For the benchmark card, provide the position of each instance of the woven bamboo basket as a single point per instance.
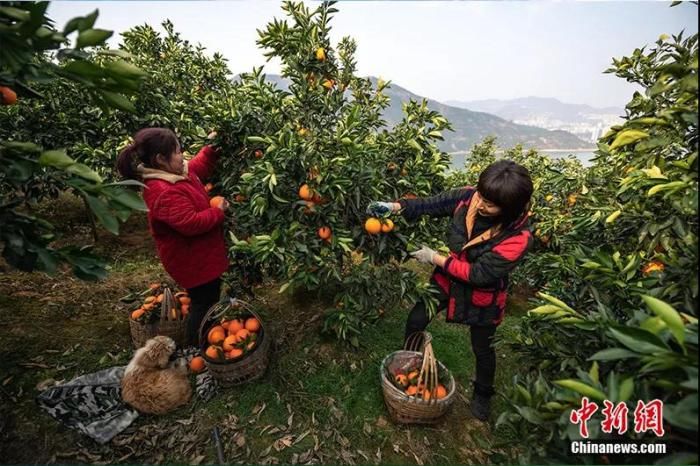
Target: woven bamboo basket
(175, 329)
(406, 409)
(250, 367)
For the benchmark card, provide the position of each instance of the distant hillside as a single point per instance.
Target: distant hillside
(582, 120)
(472, 127)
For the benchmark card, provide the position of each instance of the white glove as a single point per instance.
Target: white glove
(424, 255)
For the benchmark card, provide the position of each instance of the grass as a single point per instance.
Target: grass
(320, 400)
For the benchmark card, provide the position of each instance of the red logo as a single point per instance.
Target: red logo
(647, 417)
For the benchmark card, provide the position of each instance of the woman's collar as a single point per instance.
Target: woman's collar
(156, 174)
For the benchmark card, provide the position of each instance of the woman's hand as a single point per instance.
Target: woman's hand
(382, 208)
(223, 205)
(212, 135)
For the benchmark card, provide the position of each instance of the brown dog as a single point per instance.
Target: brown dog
(150, 384)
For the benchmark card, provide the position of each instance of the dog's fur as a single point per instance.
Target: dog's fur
(153, 386)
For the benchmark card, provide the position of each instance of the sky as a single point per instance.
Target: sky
(443, 50)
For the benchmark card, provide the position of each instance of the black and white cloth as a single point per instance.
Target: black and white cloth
(92, 403)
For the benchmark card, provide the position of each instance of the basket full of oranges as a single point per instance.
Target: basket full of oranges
(234, 342)
(160, 313)
(417, 388)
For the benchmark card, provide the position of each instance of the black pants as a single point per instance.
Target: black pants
(481, 337)
(203, 297)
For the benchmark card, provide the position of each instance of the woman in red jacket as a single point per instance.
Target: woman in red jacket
(188, 232)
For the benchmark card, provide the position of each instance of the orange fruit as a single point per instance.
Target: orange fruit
(252, 324)
(320, 54)
(373, 226)
(411, 390)
(185, 300)
(213, 352)
(401, 380)
(216, 201)
(234, 353)
(426, 395)
(7, 96)
(324, 233)
(185, 310)
(154, 286)
(234, 326)
(305, 192)
(197, 364)
(229, 342)
(149, 300)
(208, 187)
(148, 307)
(137, 313)
(159, 298)
(224, 323)
(242, 334)
(328, 84)
(258, 154)
(440, 392)
(413, 377)
(387, 226)
(239, 198)
(216, 335)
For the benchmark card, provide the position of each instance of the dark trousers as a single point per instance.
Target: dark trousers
(203, 297)
(482, 344)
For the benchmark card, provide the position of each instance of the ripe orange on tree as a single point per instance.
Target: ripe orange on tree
(325, 233)
(258, 154)
(373, 226)
(387, 225)
(320, 54)
(7, 96)
(305, 192)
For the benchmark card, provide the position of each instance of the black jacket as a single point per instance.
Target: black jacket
(475, 276)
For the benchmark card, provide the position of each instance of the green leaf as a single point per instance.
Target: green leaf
(612, 217)
(639, 340)
(125, 69)
(581, 388)
(626, 389)
(627, 137)
(669, 315)
(683, 414)
(118, 100)
(127, 198)
(102, 213)
(91, 37)
(665, 187)
(555, 301)
(84, 171)
(84, 68)
(613, 354)
(56, 158)
(594, 373)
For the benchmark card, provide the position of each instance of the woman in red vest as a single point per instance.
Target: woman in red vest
(488, 236)
(188, 232)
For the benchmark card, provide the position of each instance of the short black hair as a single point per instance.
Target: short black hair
(509, 186)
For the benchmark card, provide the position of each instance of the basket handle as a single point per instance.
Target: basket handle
(167, 304)
(428, 375)
(417, 341)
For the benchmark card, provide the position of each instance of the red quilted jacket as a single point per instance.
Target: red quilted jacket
(187, 231)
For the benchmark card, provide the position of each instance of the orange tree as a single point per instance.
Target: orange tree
(33, 51)
(180, 91)
(632, 306)
(310, 159)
